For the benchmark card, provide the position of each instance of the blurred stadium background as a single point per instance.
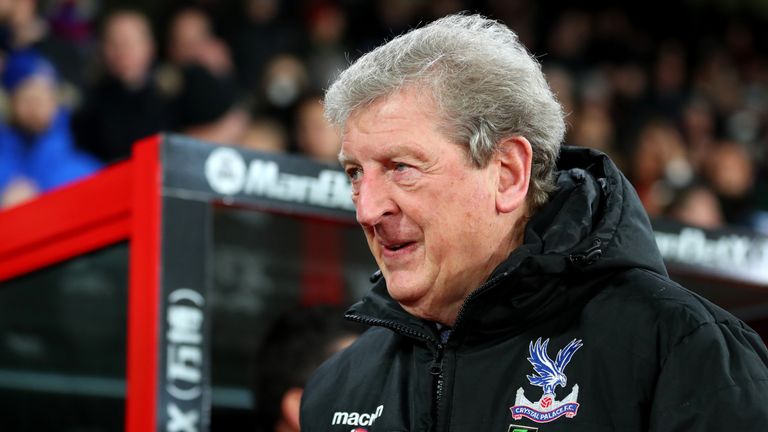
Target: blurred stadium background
(675, 92)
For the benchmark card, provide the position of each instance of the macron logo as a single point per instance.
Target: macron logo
(356, 419)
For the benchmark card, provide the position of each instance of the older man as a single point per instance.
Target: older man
(515, 294)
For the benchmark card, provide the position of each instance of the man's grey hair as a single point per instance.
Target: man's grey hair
(486, 85)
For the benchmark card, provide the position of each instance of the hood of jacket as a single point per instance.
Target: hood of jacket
(593, 227)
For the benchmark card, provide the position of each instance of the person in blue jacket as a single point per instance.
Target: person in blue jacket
(37, 151)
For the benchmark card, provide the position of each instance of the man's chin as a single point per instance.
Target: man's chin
(420, 304)
(406, 296)
(413, 299)
(407, 293)
(430, 313)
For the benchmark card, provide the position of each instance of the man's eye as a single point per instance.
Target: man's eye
(354, 173)
(399, 166)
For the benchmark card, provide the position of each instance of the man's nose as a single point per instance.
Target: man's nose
(374, 201)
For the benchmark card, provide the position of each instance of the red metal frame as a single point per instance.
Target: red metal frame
(122, 202)
(144, 289)
(82, 217)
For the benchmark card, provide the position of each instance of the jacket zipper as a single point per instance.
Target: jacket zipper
(487, 285)
(397, 327)
(438, 348)
(435, 368)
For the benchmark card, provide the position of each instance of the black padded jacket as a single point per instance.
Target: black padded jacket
(580, 329)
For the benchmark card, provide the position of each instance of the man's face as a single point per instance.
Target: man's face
(128, 48)
(34, 104)
(429, 216)
(315, 136)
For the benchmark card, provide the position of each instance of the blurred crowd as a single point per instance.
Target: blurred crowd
(680, 102)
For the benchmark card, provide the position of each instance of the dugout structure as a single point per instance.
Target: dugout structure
(136, 299)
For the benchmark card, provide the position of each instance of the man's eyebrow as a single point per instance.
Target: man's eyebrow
(404, 150)
(345, 159)
(392, 151)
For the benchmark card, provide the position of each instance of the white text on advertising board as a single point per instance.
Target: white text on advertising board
(184, 359)
(228, 174)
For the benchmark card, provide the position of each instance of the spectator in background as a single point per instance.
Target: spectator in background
(658, 165)
(298, 343)
(594, 129)
(37, 152)
(669, 81)
(698, 125)
(261, 35)
(265, 134)
(206, 107)
(696, 205)
(206, 100)
(315, 137)
(22, 27)
(284, 81)
(568, 41)
(718, 79)
(72, 21)
(191, 41)
(731, 173)
(326, 51)
(127, 103)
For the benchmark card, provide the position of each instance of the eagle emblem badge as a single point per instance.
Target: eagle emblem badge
(548, 375)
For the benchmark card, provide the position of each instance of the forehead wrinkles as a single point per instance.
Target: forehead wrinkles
(420, 95)
(396, 112)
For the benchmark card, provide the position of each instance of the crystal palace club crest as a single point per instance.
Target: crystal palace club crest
(548, 375)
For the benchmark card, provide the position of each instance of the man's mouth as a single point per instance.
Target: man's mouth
(398, 246)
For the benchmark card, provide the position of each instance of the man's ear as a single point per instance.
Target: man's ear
(513, 157)
(289, 407)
